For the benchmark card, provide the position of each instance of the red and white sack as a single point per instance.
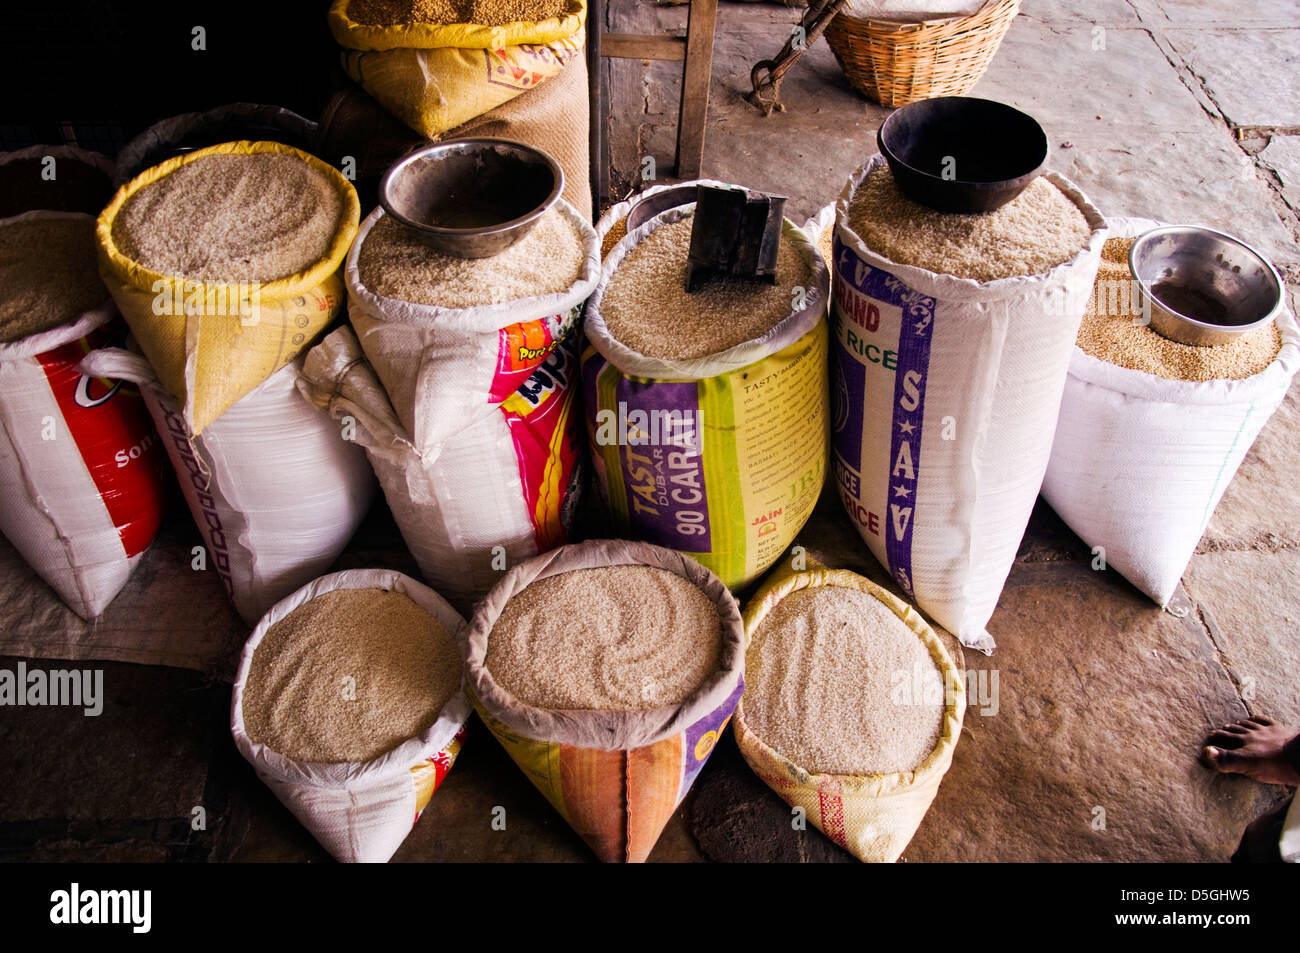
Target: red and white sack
(496, 492)
(82, 475)
(360, 812)
(445, 369)
(274, 487)
(1140, 462)
(944, 396)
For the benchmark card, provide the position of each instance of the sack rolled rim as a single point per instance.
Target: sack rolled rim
(391, 763)
(601, 729)
(1275, 379)
(781, 335)
(936, 763)
(352, 35)
(950, 287)
(133, 273)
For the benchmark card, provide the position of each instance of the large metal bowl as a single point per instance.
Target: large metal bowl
(962, 153)
(1203, 287)
(472, 198)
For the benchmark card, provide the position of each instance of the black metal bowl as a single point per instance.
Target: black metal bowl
(962, 154)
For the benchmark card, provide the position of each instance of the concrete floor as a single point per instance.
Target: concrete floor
(1160, 108)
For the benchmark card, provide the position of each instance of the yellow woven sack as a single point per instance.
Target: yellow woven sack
(212, 343)
(435, 77)
(873, 817)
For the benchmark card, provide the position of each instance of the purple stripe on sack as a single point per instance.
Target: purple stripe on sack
(913, 367)
(658, 428)
(702, 737)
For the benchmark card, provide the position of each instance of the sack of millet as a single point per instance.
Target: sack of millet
(1152, 431)
(608, 670)
(707, 412)
(349, 704)
(225, 263)
(82, 477)
(952, 338)
(852, 707)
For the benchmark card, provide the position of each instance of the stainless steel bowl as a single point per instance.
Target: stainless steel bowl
(1203, 287)
(472, 198)
(650, 206)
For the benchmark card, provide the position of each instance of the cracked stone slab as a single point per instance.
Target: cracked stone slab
(1103, 702)
(1251, 602)
(1261, 507)
(1250, 74)
(1098, 11)
(1239, 13)
(1197, 178)
(1128, 82)
(1282, 155)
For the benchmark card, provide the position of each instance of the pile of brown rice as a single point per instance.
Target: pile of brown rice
(482, 12)
(48, 274)
(613, 638)
(1109, 333)
(348, 676)
(395, 263)
(1033, 233)
(838, 684)
(647, 308)
(227, 217)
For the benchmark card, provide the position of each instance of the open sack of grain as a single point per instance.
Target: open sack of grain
(952, 338)
(706, 412)
(453, 338)
(1151, 431)
(608, 670)
(273, 485)
(81, 474)
(349, 704)
(225, 263)
(56, 178)
(852, 707)
(438, 63)
(493, 495)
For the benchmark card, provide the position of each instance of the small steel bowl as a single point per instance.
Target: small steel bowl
(472, 198)
(962, 153)
(1203, 287)
(647, 208)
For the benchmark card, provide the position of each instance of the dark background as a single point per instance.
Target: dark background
(95, 73)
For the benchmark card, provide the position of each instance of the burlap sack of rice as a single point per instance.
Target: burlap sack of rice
(436, 65)
(707, 412)
(453, 338)
(349, 705)
(1151, 432)
(225, 263)
(852, 707)
(608, 670)
(952, 338)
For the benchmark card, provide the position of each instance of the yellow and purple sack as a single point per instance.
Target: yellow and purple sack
(615, 776)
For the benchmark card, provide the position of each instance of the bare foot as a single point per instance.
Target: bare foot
(1254, 748)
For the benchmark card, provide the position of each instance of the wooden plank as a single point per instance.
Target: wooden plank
(695, 88)
(643, 46)
(599, 172)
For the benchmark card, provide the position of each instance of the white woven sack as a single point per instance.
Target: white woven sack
(273, 486)
(1140, 462)
(944, 403)
(463, 511)
(81, 473)
(359, 812)
(445, 369)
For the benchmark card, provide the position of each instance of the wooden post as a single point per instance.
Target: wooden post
(698, 71)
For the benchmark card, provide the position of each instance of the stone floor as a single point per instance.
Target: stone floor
(1160, 108)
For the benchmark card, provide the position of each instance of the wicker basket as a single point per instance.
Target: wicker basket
(899, 63)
